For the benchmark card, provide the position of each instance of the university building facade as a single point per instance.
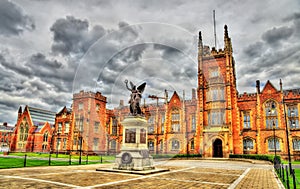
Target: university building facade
(215, 122)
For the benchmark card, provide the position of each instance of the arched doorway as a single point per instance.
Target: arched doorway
(217, 148)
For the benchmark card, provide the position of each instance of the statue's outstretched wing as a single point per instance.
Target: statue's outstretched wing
(141, 88)
(131, 84)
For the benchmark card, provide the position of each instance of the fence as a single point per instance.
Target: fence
(12, 161)
(287, 177)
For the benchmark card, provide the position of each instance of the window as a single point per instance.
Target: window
(296, 144)
(64, 143)
(293, 116)
(175, 145)
(193, 123)
(271, 114)
(216, 117)
(247, 122)
(271, 145)
(192, 145)
(26, 132)
(216, 94)
(214, 72)
(21, 135)
(151, 129)
(44, 147)
(45, 138)
(151, 145)
(95, 144)
(162, 129)
(67, 125)
(151, 120)
(59, 129)
(96, 126)
(81, 124)
(175, 116)
(175, 127)
(80, 106)
(114, 126)
(175, 124)
(97, 107)
(113, 145)
(248, 144)
(58, 144)
(162, 118)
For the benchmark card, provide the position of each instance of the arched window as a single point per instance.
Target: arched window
(248, 144)
(21, 134)
(271, 114)
(271, 143)
(175, 144)
(296, 144)
(45, 139)
(26, 132)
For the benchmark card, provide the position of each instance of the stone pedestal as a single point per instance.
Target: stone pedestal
(134, 151)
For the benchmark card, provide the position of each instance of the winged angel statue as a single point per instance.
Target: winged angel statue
(135, 97)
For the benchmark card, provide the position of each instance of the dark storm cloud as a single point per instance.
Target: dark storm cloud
(276, 35)
(72, 36)
(12, 66)
(13, 20)
(254, 50)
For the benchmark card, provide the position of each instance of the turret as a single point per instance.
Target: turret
(227, 41)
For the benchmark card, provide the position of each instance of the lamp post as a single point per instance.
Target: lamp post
(287, 136)
(274, 137)
(57, 144)
(80, 148)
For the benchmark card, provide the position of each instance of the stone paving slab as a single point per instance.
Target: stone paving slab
(182, 174)
(258, 179)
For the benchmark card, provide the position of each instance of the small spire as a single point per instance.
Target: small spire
(225, 31)
(200, 36)
(280, 84)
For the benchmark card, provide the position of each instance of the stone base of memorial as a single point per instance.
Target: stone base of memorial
(134, 151)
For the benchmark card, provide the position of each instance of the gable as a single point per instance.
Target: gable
(269, 88)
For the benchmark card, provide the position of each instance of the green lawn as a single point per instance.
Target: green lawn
(65, 156)
(297, 174)
(36, 159)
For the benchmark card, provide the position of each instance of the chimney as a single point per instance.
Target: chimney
(193, 94)
(258, 86)
(121, 103)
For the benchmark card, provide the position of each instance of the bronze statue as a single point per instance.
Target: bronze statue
(135, 97)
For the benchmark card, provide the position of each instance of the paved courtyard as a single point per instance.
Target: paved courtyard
(182, 174)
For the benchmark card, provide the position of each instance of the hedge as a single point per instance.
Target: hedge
(256, 156)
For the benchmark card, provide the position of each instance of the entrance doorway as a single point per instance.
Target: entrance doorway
(217, 148)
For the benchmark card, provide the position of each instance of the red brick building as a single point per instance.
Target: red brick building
(220, 121)
(5, 136)
(90, 126)
(63, 131)
(215, 122)
(33, 130)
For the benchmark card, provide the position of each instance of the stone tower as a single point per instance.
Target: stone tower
(217, 113)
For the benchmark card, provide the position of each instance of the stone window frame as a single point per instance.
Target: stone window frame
(293, 116)
(297, 139)
(271, 114)
(246, 122)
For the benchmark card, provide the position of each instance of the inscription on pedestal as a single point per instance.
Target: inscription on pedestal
(143, 136)
(130, 135)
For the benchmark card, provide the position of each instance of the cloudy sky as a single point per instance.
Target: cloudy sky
(50, 49)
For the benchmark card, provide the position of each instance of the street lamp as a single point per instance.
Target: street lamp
(287, 136)
(274, 139)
